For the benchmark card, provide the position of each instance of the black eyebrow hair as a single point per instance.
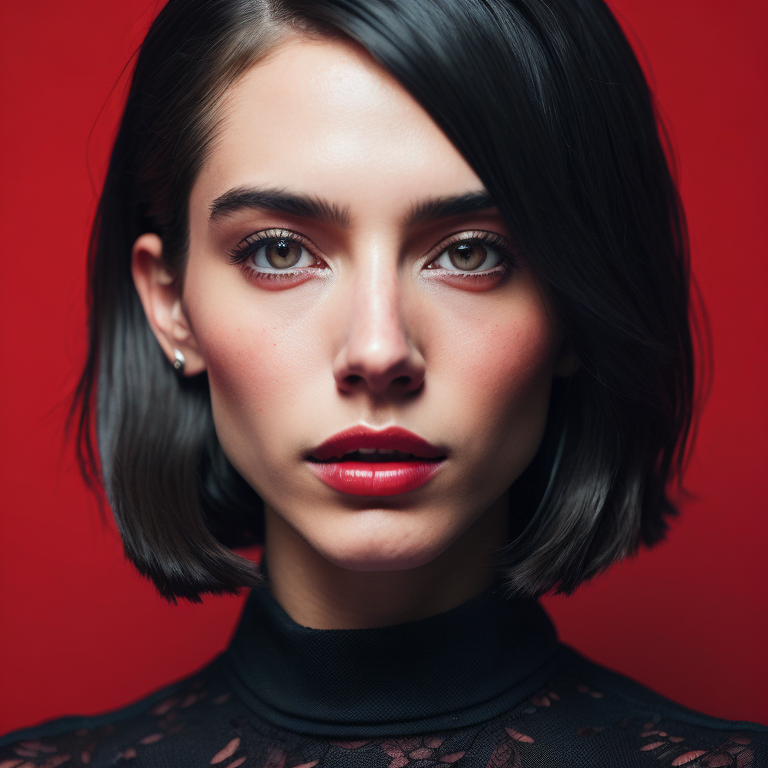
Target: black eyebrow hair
(306, 206)
(279, 200)
(445, 207)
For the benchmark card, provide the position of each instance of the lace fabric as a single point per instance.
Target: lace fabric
(486, 685)
(568, 722)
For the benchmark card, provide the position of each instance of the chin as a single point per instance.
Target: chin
(374, 549)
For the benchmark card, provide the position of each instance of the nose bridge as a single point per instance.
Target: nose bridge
(377, 321)
(378, 350)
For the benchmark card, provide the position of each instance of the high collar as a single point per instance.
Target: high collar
(453, 669)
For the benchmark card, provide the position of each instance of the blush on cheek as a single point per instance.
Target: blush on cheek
(510, 375)
(510, 358)
(237, 343)
(244, 374)
(234, 390)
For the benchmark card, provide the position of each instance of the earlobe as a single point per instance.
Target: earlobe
(160, 296)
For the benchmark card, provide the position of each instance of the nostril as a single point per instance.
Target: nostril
(402, 381)
(353, 380)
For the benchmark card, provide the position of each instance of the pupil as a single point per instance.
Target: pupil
(283, 253)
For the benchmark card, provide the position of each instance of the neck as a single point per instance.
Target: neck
(319, 594)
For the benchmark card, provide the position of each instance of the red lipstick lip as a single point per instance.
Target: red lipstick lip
(391, 438)
(376, 478)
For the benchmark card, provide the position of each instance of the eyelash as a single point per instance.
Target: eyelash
(247, 247)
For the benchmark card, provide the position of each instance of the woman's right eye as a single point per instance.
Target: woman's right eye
(273, 253)
(281, 253)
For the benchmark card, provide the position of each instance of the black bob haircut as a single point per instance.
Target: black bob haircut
(549, 106)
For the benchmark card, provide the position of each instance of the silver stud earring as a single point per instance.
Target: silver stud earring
(178, 363)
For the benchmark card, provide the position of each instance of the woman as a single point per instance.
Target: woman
(400, 289)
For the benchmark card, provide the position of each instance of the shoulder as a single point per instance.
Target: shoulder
(176, 711)
(597, 712)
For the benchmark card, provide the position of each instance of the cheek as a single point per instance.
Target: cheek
(500, 368)
(258, 358)
(514, 362)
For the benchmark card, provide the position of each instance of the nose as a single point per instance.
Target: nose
(377, 353)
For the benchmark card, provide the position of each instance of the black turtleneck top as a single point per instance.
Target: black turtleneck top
(485, 685)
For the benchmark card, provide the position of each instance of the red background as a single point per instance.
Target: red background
(80, 632)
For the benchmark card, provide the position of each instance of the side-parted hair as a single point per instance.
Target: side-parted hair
(548, 104)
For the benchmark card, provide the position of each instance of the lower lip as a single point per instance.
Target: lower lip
(385, 478)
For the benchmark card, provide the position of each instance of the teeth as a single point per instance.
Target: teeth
(373, 453)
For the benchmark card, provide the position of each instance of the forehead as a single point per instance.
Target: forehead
(322, 116)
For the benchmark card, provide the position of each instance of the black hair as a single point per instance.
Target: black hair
(550, 107)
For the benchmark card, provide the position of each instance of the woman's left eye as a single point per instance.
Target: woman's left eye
(480, 254)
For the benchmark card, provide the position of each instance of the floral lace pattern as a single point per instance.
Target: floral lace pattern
(568, 722)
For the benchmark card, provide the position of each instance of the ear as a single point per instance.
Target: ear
(566, 364)
(159, 292)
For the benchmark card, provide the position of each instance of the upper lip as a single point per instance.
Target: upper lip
(392, 438)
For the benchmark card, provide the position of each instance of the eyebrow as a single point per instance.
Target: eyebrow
(437, 208)
(310, 207)
(279, 201)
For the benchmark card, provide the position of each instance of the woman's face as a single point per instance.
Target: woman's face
(344, 271)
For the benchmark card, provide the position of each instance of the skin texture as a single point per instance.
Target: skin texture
(371, 330)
